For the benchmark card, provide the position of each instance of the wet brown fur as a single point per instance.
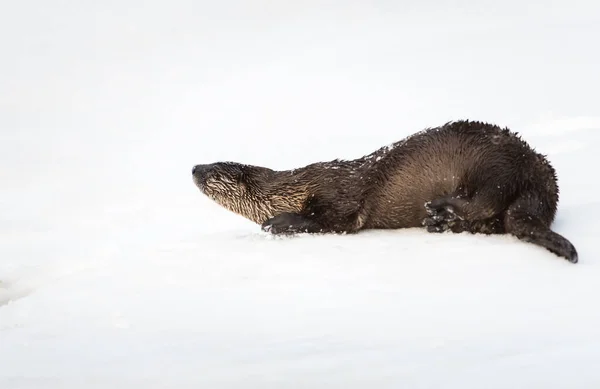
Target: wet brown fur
(462, 176)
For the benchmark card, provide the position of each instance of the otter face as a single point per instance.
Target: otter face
(235, 187)
(222, 181)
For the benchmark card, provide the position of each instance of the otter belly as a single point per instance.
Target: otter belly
(400, 202)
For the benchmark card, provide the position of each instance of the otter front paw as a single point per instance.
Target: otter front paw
(288, 223)
(441, 216)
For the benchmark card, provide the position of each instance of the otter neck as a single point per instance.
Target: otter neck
(286, 191)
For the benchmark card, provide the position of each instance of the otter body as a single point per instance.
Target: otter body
(462, 176)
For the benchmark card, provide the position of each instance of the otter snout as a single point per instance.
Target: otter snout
(200, 170)
(200, 173)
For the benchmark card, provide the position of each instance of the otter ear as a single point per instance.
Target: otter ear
(241, 182)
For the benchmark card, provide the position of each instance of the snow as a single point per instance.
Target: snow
(116, 272)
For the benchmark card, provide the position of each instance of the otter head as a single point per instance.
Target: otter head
(243, 189)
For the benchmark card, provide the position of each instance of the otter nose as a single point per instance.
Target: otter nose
(199, 169)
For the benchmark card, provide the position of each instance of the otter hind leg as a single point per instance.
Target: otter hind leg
(448, 221)
(458, 214)
(483, 204)
(440, 219)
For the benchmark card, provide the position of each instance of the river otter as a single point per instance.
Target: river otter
(462, 176)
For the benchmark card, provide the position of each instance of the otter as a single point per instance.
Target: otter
(463, 176)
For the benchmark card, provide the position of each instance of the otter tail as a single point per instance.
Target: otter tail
(529, 219)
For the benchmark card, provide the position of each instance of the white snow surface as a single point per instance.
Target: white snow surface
(116, 272)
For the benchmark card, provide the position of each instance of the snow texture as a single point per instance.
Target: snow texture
(116, 272)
